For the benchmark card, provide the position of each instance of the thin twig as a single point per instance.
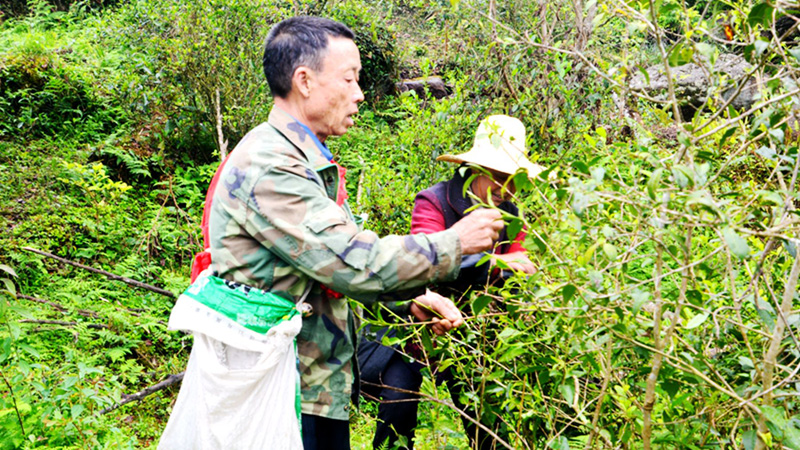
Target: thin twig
(167, 382)
(58, 307)
(108, 275)
(95, 326)
(14, 400)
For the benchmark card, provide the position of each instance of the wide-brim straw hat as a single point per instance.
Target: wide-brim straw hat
(499, 146)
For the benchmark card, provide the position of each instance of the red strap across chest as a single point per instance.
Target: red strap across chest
(202, 260)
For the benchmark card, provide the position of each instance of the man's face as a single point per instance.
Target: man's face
(335, 94)
(495, 186)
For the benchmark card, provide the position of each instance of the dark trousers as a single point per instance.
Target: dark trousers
(397, 412)
(321, 433)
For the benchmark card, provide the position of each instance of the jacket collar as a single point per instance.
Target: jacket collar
(455, 194)
(301, 136)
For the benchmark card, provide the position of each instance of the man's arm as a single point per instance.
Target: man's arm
(291, 215)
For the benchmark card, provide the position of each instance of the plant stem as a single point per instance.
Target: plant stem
(650, 391)
(771, 356)
(14, 400)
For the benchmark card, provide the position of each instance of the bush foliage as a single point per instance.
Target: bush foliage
(664, 309)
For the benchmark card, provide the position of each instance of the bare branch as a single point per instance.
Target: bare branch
(108, 275)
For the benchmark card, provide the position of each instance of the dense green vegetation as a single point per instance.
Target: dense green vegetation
(664, 312)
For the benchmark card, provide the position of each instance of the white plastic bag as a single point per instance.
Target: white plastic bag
(239, 391)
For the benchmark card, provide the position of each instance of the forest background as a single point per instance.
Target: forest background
(664, 312)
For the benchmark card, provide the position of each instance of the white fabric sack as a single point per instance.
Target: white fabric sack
(239, 390)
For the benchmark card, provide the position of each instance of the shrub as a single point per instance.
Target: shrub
(191, 54)
(376, 41)
(17, 8)
(41, 96)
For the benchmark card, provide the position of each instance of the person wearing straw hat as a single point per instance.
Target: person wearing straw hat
(498, 153)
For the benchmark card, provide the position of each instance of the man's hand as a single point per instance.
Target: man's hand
(479, 230)
(517, 261)
(431, 306)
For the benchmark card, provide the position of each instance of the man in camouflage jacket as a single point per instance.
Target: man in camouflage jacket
(279, 221)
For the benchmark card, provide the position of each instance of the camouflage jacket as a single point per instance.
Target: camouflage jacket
(274, 224)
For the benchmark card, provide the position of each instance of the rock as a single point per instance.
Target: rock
(692, 84)
(434, 85)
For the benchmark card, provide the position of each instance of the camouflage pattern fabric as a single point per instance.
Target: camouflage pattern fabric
(275, 225)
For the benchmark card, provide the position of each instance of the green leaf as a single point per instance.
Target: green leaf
(654, 182)
(790, 247)
(30, 350)
(766, 153)
(23, 312)
(727, 134)
(507, 334)
(749, 439)
(639, 299)
(775, 415)
(795, 52)
(770, 198)
(695, 297)
(116, 353)
(587, 256)
(10, 288)
(683, 175)
(696, 321)
(667, 8)
(513, 228)
(761, 14)
(568, 391)
(425, 337)
(746, 363)
(522, 183)
(568, 291)
(598, 174)
(703, 200)
(514, 353)
(777, 135)
(708, 51)
(680, 55)
(647, 75)
(759, 46)
(791, 437)
(736, 243)
(76, 410)
(8, 270)
(610, 251)
(559, 443)
(480, 303)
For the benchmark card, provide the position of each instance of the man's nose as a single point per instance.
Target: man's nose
(358, 96)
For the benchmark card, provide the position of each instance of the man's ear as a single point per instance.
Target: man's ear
(302, 80)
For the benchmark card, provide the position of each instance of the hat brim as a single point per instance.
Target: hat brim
(500, 165)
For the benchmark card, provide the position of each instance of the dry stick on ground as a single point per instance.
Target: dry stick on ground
(167, 382)
(58, 307)
(108, 275)
(96, 326)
